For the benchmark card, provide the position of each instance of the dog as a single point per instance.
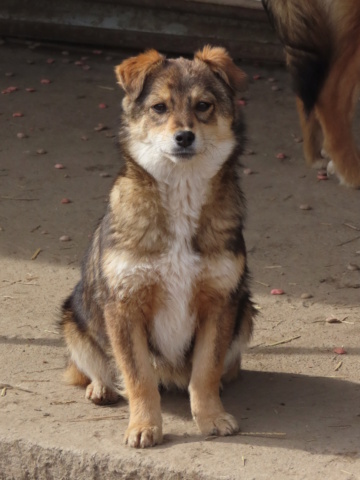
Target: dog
(163, 298)
(322, 45)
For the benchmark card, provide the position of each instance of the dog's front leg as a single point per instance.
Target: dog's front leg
(126, 329)
(211, 344)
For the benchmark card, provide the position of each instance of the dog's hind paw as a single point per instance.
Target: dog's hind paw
(331, 168)
(353, 182)
(100, 394)
(143, 436)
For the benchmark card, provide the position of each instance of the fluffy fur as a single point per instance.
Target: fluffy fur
(163, 297)
(322, 45)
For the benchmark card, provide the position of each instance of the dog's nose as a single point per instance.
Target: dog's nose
(184, 138)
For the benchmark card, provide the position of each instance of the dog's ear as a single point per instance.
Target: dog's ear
(131, 73)
(220, 62)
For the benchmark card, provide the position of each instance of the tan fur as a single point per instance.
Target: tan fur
(73, 376)
(326, 33)
(221, 63)
(164, 298)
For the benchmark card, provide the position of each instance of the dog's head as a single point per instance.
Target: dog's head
(179, 111)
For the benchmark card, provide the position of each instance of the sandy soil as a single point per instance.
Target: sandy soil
(293, 387)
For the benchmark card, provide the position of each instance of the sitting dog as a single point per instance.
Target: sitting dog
(322, 45)
(163, 298)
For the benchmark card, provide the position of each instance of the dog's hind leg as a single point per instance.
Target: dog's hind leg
(335, 109)
(89, 366)
(312, 137)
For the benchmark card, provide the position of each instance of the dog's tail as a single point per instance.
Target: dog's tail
(303, 27)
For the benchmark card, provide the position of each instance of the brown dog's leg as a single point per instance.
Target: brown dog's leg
(126, 328)
(334, 109)
(312, 136)
(211, 344)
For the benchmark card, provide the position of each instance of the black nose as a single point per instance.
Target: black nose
(184, 138)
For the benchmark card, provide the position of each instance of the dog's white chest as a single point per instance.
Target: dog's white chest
(179, 267)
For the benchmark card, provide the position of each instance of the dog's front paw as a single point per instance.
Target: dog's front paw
(100, 395)
(220, 424)
(143, 436)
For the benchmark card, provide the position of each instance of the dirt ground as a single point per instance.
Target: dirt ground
(297, 400)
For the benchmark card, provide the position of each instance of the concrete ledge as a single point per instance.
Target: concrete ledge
(172, 26)
(23, 460)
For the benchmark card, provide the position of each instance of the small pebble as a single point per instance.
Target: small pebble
(353, 267)
(305, 206)
(340, 351)
(275, 88)
(9, 74)
(100, 127)
(97, 52)
(271, 79)
(17, 114)
(59, 166)
(86, 67)
(322, 176)
(30, 90)
(65, 201)
(281, 156)
(41, 151)
(247, 171)
(65, 52)
(85, 138)
(79, 63)
(277, 291)
(10, 89)
(110, 135)
(103, 105)
(21, 135)
(248, 152)
(65, 238)
(257, 76)
(306, 296)
(332, 320)
(242, 102)
(84, 58)
(50, 61)
(45, 81)
(104, 174)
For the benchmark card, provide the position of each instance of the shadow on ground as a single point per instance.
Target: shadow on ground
(292, 411)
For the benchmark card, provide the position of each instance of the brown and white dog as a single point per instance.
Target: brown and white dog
(322, 45)
(164, 298)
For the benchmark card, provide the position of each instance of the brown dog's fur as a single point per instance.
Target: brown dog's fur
(164, 298)
(322, 45)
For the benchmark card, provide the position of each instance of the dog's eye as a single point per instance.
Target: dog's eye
(203, 106)
(159, 108)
